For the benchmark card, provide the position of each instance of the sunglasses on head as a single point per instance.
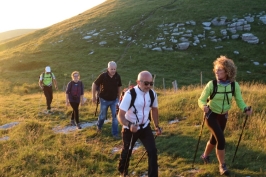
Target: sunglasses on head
(146, 83)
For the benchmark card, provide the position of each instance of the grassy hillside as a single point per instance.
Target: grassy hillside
(63, 48)
(127, 27)
(4, 36)
(35, 149)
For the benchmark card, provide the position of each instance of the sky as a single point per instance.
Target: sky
(36, 14)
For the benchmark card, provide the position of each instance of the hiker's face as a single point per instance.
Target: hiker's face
(220, 72)
(145, 83)
(111, 70)
(75, 77)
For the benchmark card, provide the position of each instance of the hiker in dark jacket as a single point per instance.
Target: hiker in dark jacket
(216, 109)
(109, 84)
(74, 96)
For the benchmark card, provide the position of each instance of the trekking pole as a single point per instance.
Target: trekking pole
(241, 134)
(40, 103)
(202, 125)
(96, 106)
(142, 156)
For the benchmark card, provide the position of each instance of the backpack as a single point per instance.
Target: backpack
(214, 92)
(133, 98)
(46, 77)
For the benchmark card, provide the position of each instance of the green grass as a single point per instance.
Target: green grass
(35, 150)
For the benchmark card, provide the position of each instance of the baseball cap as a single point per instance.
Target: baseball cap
(47, 69)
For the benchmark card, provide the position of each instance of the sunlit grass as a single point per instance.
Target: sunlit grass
(34, 149)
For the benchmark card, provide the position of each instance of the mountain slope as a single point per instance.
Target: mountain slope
(129, 28)
(14, 33)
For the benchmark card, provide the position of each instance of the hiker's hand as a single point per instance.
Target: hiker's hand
(158, 130)
(206, 109)
(41, 88)
(133, 128)
(67, 103)
(248, 110)
(56, 88)
(94, 100)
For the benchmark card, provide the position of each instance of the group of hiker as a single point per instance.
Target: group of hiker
(139, 107)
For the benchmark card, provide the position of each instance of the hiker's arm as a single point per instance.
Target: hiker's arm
(123, 121)
(67, 101)
(202, 101)
(155, 118)
(40, 84)
(55, 84)
(93, 91)
(238, 97)
(122, 118)
(82, 94)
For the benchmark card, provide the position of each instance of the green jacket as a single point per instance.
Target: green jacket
(220, 104)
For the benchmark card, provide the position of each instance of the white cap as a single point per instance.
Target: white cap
(47, 69)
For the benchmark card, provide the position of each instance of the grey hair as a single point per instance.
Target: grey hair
(112, 63)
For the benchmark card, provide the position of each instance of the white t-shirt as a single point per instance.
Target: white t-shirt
(142, 104)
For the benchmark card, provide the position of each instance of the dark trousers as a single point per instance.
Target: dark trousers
(75, 112)
(216, 123)
(48, 92)
(146, 137)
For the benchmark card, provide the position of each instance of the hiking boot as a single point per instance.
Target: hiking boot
(223, 170)
(78, 126)
(116, 137)
(122, 175)
(72, 123)
(99, 131)
(206, 159)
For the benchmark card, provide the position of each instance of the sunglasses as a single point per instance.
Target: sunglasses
(146, 83)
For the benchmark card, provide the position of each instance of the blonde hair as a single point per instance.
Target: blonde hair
(228, 65)
(75, 72)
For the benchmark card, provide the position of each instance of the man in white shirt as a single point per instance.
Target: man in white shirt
(136, 124)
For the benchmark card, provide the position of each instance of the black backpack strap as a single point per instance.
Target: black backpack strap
(152, 97)
(133, 97)
(233, 88)
(214, 91)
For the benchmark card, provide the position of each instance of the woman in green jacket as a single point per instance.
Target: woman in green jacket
(216, 109)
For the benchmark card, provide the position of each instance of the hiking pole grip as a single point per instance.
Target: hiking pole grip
(202, 125)
(241, 134)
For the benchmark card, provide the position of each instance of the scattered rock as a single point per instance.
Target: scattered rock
(86, 37)
(218, 47)
(263, 19)
(183, 45)
(5, 138)
(157, 49)
(256, 63)
(207, 24)
(9, 125)
(102, 43)
(250, 38)
(236, 52)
